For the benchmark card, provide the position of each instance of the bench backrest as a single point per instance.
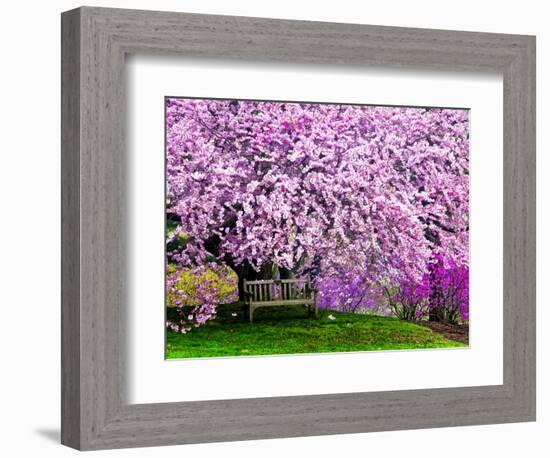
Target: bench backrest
(279, 290)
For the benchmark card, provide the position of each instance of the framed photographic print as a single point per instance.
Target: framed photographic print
(314, 228)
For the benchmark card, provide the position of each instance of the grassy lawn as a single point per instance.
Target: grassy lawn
(288, 330)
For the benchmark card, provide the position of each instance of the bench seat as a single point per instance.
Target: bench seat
(274, 293)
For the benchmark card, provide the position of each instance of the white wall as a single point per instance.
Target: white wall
(29, 233)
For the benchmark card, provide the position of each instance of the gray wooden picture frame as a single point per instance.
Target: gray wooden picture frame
(95, 412)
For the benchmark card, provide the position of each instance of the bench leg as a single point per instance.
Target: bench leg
(245, 311)
(315, 304)
(251, 313)
(312, 308)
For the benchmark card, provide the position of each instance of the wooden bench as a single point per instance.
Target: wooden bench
(270, 293)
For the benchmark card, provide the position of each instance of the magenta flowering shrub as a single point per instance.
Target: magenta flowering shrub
(350, 294)
(442, 294)
(449, 290)
(409, 299)
(353, 196)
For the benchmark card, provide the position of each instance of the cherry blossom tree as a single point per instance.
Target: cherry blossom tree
(331, 191)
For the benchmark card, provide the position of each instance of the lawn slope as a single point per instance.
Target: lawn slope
(289, 331)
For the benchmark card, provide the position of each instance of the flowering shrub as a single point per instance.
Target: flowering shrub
(350, 294)
(442, 294)
(409, 299)
(195, 294)
(449, 290)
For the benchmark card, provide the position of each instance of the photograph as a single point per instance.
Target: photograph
(302, 227)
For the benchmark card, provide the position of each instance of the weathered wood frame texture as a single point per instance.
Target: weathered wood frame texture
(95, 413)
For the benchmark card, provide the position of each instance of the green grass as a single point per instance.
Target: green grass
(281, 330)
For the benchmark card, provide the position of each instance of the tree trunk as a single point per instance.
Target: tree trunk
(434, 299)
